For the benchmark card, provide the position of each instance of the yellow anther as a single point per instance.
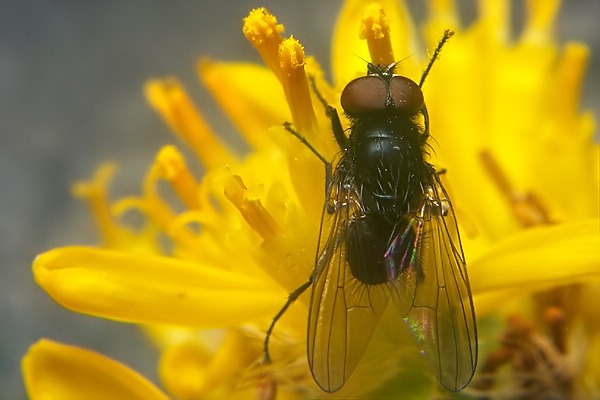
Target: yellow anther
(375, 29)
(295, 84)
(264, 33)
(255, 214)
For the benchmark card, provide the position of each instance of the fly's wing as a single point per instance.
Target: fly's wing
(343, 311)
(442, 317)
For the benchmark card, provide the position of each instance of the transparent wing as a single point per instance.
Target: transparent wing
(441, 315)
(343, 311)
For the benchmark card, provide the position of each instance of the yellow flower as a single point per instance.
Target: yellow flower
(215, 259)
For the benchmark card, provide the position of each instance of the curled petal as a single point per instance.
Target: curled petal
(539, 258)
(95, 193)
(148, 289)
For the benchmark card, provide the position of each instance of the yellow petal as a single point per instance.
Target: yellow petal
(147, 289)
(541, 15)
(442, 15)
(540, 258)
(57, 371)
(171, 101)
(494, 16)
(458, 114)
(233, 85)
(570, 183)
(190, 372)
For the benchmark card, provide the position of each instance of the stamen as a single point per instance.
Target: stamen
(259, 219)
(531, 353)
(527, 207)
(171, 166)
(264, 33)
(295, 84)
(375, 29)
(171, 101)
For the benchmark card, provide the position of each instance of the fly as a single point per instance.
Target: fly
(393, 238)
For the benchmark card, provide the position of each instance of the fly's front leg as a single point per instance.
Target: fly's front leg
(334, 118)
(328, 168)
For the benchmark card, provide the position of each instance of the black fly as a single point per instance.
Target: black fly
(393, 237)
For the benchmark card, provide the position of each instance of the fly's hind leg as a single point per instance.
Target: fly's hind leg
(328, 168)
(291, 298)
(342, 140)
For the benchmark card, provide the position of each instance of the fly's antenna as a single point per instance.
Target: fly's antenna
(436, 53)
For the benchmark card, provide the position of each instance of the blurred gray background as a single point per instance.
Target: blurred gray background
(71, 77)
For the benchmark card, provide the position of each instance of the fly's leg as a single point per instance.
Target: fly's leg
(332, 114)
(328, 168)
(342, 140)
(291, 298)
(425, 114)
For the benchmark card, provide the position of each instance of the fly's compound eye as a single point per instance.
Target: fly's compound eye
(407, 96)
(364, 95)
(372, 94)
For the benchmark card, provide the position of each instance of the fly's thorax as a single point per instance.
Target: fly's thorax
(388, 164)
(393, 139)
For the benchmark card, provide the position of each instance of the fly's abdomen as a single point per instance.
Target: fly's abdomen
(368, 237)
(368, 249)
